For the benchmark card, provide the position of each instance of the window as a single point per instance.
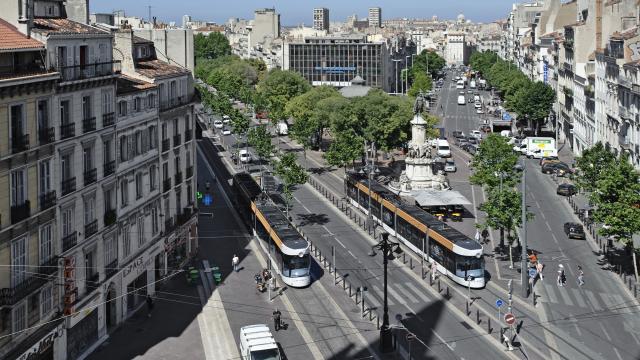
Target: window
(124, 153)
(86, 107)
(106, 152)
(109, 199)
(45, 176)
(17, 123)
(189, 192)
(139, 191)
(151, 101)
(90, 266)
(67, 222)
(173, 91)
(175, 127)
(153, 137)
(110, 251)
(18, 187)
(46, 300)
(138, 142)
(46, 244)
(66, 164)
(122, 108)
(19, 317)
(89, 210)
(107, 101)
(65, 112)
(154, 220)
(165, 171)
(43, 115)
(164, 131)
(153, 177)
(124, 192)
(137, 104)
(126, 241)
(177, 163)
(141, 238)
(188, 157)
(18, 262)
(87, 157)
(178, 202)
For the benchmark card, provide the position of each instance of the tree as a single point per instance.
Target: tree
(534, 102)
(260, 139)
(494, 157)
(291, 175)
(345, 148)
(592, 164)
(278, 87)
(427, 62)
(212, 46)
(421, 83)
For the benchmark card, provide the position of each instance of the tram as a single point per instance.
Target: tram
(456, 255)
(287, 250)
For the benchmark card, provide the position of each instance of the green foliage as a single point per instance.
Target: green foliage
(291, 175)
(534, 102)
(494, 157)
(346, 147)
(260, 140)
(230, 75)
(503, 209)
(592, 164)
(239, 122)
(482, 61)
(309, 118)
(427, 59)
(278, 87)
(421, 83)
(212, 46)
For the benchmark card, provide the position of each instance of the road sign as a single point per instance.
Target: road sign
(509, 318)
(532, 273)
(207, 200)
(198, 195)
(499, 303)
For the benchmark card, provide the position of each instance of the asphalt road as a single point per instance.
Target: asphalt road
(596, 321)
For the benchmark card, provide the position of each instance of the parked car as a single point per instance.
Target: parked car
(457, 134)
(226, 130)
(450, 166)
(218, 124)
(244, 155)
(549, 160)
(574, 231)
(226, 119)
(479, 111)
(476, 134)
(559, 167)
(566, 190)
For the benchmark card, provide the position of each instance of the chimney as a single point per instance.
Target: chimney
(78, 10)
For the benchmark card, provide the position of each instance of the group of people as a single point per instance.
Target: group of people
(562, 277)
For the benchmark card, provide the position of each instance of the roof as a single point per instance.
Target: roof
(625, 35)
(157, 68)
(64, 26)
(12, 39)
(139, 40)
(126, 85)
(356, 89)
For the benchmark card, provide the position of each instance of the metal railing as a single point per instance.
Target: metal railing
(92, 281)
(108, 119)
(90, 176)
(10, 296)
(47, 136)
(176, 140)
(110, 218)
(68, 186)
(188, 135)
(169, 226)
(20, 212)
(88, 71)
(189, 172)
(89, 124)
(47, 200)
(69, 241)
(166, 185)
(109, 168)
(19, 143)
(90, 228)
(67, 130)
(178, 177)
(49, 266)
(166, 145)
(172, 103)
(111, 268)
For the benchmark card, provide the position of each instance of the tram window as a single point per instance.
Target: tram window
(387, 217)
(442, 255)
(363, 200)
(403, 228)
(352, 191)
(375, 208)
(469, 265)
(295, 266)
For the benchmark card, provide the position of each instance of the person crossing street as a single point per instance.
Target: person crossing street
(276, 320)
(580, 276)
(235, 261)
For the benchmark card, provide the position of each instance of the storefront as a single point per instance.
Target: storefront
(43, 344)
(138, 280)
(176, 252)
(82, 335)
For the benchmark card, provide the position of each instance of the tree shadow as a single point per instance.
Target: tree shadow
(312, 219)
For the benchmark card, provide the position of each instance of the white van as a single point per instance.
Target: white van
(257, 342)
(461, 100)
(283, 128)
(460, 84)
(443, 148)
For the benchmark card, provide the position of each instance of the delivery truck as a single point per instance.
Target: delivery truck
(540, 147)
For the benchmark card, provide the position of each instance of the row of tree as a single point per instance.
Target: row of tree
(613, 188)
(425, 67)
(532, 101)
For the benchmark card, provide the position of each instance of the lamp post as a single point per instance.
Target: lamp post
(396, 87)
(369, 169)
(387, 247)
(406, 74)
(523, 236)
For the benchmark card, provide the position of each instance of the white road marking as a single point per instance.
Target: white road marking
(350, 253)
(578, 296)
(550, 290)
(381, 295)
(592, 299)
(565, 296)
(406, 293)
(418, 292)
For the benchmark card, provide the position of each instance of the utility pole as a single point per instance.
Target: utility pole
(387, 247)
(523, 235)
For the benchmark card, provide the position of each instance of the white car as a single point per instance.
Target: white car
(477, 105)
(218, 124)
(226, 119)
(450, 166)
(226, 131)
(476, 134)
(245, 156)
(479, 111)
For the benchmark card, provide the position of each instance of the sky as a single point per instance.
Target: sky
(295, 12)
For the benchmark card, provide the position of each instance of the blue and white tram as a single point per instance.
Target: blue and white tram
(457, 256)
(280, 241)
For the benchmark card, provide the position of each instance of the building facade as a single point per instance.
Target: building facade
(375, 17)
(456, 49)
(321, 19)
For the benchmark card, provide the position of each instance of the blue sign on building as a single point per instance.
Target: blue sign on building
(545, 72)
(207, 200)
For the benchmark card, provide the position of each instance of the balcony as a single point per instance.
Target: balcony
(67, 130)
(176, 140)
(90, 228)
(178, 178)
(109, 218)
(166, 185)
(169, 226)
(109, 168)
(166, 144)
(189, 172)
(89, 124)
(90, 176)
(47, 200)
(188, 135)
(173, 103)
(68, 186)
(88, 71)
(111, 268)
(19, 143)
(108, 119)
(47, 136)
(10, 296)
(185, 216)
(92, 281)
(20, 212)
(69, 241)
(48, 267)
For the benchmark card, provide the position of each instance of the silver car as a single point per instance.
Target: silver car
(450, 166)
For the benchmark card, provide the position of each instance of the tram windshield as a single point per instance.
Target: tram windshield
(295, 266)
(469, 265)
(271, 354)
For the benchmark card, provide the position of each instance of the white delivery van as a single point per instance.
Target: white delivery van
(257, 342)
(443, 148)
(282, 128)
(472, 84)
(539, 147)
(461, 100)
(460, 84)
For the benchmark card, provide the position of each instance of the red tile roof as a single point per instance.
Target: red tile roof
(126, 85)
(12, 39)
(156, 68)
(64, 26)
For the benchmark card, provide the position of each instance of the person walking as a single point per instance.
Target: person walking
(207, 185)
(149, 305)
(434, 271)
(539, 268)
(234, 261)
(276, 319)
(485, 235)
(477, 236)
(580, 276)
(560, 275)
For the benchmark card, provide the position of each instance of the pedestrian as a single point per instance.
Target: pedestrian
(276, 319)
(207, 185)
(234, 261)
(485, 235)
(539, 268)
(149, 305)
(560, 275)
(477, 236)
(580, 276)
(434, 271)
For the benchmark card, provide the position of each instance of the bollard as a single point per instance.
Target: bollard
(404, 257)
(349, 289)
(357, 302)
(378, 323)
(411, 263)
(439, 285)
(362, 307)
(447, 295)
(533, 297)
(466, 304)
(489, 325)
(478, 316)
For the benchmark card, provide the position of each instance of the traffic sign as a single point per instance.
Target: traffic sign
(499, 303)
(207, 200)
(509, 318)
(532, 273)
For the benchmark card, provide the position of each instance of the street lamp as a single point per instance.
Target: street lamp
(523, 236)
(406, 73)
(387, 247)
(369, 169)
(501, 175)
(396, 87)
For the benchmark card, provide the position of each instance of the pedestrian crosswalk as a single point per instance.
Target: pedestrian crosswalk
(399, 293)
(577, 296)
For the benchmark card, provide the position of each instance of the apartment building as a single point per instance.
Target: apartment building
(321, 19)
(375, 17)
(87, 224)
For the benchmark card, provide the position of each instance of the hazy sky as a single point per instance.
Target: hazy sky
(295, 12)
